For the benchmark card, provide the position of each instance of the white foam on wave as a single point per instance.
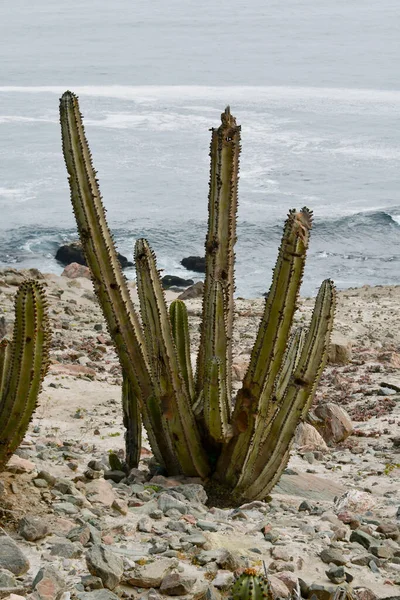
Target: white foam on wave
(255, 93)
(154, 120)
(369, 152)
(395, 218)
(19, 119)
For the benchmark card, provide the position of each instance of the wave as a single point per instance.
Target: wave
(178, 92)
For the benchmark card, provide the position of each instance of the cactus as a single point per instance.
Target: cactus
(23, 365)
(191, 425)
(250, 586)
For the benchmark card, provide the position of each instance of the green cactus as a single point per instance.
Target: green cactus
(23, 365)
(191, 425)
(250, 586)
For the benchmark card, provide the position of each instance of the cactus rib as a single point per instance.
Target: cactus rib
(132, 422)
(180, 331)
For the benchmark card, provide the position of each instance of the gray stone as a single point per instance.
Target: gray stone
(332, 555)
(97, 595)
(67, 549)
(145, 525)
(33, 528)
(362, 560)
(223, 580)
(92, 582)
(197, 539)
(207, 525)
(382, 551)
(336, 575)
(373, 566)
(362, 538)
(177, 584)
(194, 492)
(321, 592)
(66, 508)
(7, 579)
(85, 534)
(115, 476)
(156, 514)
(12, 558)
(48, 584)
(167, 502)
(105, 564)
(151, 574)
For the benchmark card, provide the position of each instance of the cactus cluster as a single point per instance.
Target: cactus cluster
(194, 425)
(23, 365)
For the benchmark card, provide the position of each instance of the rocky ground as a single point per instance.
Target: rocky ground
(71, 528)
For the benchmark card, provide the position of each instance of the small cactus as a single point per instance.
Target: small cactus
(23, 364)
(251, 586)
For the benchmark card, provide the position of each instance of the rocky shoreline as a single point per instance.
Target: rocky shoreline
(73, 528)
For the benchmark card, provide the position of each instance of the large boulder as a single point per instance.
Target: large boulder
(194, 263)
(332, 422)
(75, 270)
(73, 253)
(12, 558)
(194, 291)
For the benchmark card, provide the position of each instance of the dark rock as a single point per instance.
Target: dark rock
(12, 558)
(194, 263)
(67, 549)
(382, 551)
(173, 280)
(103, 563)
(321, 592)
(92, 582)
(73, 252)
(33, 528)
(336, 575)
(332, 555)
(305, 506)
(115, 476)
(362, 538)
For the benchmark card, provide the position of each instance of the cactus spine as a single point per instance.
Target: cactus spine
(23, 365)
(189, 420)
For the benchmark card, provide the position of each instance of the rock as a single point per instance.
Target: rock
(121, 506)
(48, 583)
(85, 534)
(197, 539)
(97, 595)
(308, 437)
(12, 558)
(340, 350)
(177, 584)
(20, 465)
(381, 551)
(289, 579)
(321, 592)
(75, 270)
(305, 506)
(223, 580)
(207, 525)
(333, 422)
(167, 502)
(92, 582)
(362, 560)
(115, 476)
(194, 263)
(194, 492)
(278, 588)
(7, 579)
(332, 555)
(172, 280)
(33, 528)
(151, 574)
(67, 549)
(389, 530)
(307, 485)
(100, 491)
(362, 538)
(105, 564)
(362, 593)
(336, 575)
(194, 291)
(73, 253)
(354, 501)
(145, 525)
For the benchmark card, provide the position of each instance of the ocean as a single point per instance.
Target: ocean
(315, 87)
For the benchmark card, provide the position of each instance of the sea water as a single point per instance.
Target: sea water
(314, 85)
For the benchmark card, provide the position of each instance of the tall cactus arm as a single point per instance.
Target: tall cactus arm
(27, 367)
(179, 423)
(266, 359)
(180, 331)
(266, 459)
(216, 416)
(221, 236)
(132, 423)
(98, 245)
